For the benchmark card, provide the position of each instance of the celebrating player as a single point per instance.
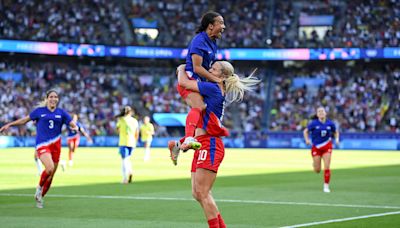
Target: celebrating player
(74, 138)
(128, 129)
(208, 158)
(146, 134)
(49, 120)
(201, 54)
(322, 130)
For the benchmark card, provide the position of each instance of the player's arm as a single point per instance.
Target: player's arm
(72, 125)
(137, 132)
(336, 135)
(18, 122)
(84, 133)
(197, 60)
(184, 81)
(306, 136)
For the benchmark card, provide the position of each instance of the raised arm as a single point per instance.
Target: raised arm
(184, 81)
(200, 70)
(18, 122)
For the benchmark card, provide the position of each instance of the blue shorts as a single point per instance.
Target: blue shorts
(125, 151)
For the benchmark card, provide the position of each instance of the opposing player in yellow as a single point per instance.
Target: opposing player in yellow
(128, 129)
(146, 134)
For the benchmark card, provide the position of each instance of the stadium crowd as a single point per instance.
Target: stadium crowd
(359, 23)
(359, 99)
(79, 88)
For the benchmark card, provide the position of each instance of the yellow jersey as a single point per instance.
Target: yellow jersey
(147, 131)
(128, 129)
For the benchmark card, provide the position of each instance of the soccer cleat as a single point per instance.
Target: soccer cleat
(38, 197)
(173, 147)
(190, 143)
(326, 188)
(63, 166)
(130, 178)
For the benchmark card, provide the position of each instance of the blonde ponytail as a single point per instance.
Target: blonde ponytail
(42, 103)
(235, 86)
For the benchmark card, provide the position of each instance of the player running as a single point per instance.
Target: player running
(49, 120)
(322, 130)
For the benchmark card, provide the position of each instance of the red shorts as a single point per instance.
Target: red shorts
(75, 140)
(53, 148)
(322, 150)
(210, 155)
(183, 92)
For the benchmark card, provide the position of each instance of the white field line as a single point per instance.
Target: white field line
(343, 219)
(218, 200)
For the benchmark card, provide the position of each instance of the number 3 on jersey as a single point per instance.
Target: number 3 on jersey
(51, 124)
(202, 155)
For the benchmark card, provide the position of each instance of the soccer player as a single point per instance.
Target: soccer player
(74, 138)
(322, 130)
(128, 129)
(201, 54)
(49, 120)
(208, 158)
(146, 134)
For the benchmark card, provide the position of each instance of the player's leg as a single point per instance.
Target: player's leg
(124, 153)
(147, 150)
(202, 183)
(71, 150)
(38, 163)
(317, 163)
(326, 157)
(128, 164)
(195, 101)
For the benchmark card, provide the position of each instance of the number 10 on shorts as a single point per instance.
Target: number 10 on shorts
(202, 155)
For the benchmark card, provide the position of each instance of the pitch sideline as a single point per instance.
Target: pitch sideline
(218, 200)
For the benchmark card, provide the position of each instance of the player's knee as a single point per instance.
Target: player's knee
(199, 195)
(50, 170)
(317, 169)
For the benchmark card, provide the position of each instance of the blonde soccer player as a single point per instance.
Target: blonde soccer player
(146, 134)
(128, 129)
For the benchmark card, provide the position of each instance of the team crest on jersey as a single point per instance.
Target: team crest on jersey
(329, 127)
(43, 115)
(317, 127)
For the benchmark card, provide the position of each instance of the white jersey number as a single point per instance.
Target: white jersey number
(202, 155)
(51, 124)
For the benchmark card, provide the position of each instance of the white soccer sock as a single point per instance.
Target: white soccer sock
(38, 166)
(146, 154)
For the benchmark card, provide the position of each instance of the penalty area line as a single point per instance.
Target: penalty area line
(343, 219)
(217, 200)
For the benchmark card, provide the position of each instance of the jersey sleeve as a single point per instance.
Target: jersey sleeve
(208, 89)
(197, 47)
(66, 117)
(34, 115)
(310, 126)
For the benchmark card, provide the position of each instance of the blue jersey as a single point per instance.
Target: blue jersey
(73, 133)
(203, 46)
(214, 100)
(49, 124)
(321, 133)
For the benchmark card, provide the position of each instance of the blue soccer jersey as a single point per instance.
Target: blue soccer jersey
(203, 46)
(321, 133)
(73, 133)
(49, 124)
(214, 100)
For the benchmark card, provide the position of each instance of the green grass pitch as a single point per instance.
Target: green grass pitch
(254, 188)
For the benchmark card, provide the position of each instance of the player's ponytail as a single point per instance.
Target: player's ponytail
(206, 19)
(235, 86)
(124, 111)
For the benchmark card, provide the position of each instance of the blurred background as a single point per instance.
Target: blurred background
(102, 55)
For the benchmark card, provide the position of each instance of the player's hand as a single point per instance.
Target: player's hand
(308, 142)
(180, 67)
(90, 141)
(4, 128)
(337, 142)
